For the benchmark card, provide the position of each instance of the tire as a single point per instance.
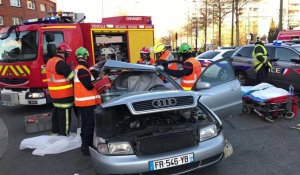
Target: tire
(246, 110)
(242, 77)
(289, 115)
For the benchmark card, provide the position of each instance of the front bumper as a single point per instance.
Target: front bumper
(206, 153)
(12, 98)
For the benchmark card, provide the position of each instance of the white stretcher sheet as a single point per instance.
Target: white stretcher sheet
(48, 144)
(263, 92)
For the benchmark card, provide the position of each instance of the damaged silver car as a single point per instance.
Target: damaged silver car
(149, 125)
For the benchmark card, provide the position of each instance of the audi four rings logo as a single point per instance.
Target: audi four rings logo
(165, 102)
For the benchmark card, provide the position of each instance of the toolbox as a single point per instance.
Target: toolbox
(38, 122)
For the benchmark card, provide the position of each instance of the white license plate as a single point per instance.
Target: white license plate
(171, 162)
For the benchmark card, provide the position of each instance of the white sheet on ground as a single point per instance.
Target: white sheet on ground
(263, 92)
(48, 144)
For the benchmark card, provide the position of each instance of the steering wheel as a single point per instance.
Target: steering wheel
(156, 86)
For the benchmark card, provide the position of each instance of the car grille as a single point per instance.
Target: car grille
(13, 80)
(165, 143)
(148, 104)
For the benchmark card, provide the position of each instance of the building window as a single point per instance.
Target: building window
(1, 21)
(43, 7)
(16, 21)
(51, 9)
(31, 5)
(15, 3)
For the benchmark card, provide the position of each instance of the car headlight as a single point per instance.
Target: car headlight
(113, 148)
(119, 148)
(36, 95)
(208, 132)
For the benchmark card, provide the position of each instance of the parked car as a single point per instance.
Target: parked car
(285, 72)
(149, 124)
(296, 46)
(206, 58)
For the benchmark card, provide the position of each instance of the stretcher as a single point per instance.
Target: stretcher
(267, 101)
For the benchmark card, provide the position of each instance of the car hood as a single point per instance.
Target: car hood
(154, 101)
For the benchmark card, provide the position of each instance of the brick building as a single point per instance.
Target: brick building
(13, 12)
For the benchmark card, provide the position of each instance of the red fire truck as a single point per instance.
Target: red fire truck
(24, 49)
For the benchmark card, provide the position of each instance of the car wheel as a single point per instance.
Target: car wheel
(242, 77)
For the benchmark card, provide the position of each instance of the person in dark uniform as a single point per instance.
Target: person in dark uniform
(60, 86)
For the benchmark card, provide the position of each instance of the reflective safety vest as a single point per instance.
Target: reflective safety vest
(187, 82)
(256, 63)
(58, 85)
(84, 97)
(150, 62)
(168, 56)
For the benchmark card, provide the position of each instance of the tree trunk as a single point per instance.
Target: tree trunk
(237, 23)
(220, 27)
(205, 30)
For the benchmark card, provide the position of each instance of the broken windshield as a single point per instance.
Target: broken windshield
(19, 46)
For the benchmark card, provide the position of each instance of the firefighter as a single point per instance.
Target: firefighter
(163, 56)
(86, 98)
(190, 71)
(145, 57)
(260, 61)
(60, 86)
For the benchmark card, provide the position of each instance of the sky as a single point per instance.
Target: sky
(166, 14)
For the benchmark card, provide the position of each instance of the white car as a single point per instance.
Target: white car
(206, 58)
(296, 46)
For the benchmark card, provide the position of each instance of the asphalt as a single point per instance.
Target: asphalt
(259, 147)
(3, 138)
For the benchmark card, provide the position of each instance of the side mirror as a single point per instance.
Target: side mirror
(296, 61)
(273, 60)
(202, 85)
(50, 37)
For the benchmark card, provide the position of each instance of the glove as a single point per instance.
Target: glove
(160, 67)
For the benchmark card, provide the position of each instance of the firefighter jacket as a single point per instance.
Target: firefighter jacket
(150, 62)
(168, 56)
(83, 96)
(260, 57)
(60, 86)
(188, 81)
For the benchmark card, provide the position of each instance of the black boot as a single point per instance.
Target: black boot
(85, 150)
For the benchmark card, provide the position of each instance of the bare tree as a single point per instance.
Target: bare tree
(221, 9)
(239, 4)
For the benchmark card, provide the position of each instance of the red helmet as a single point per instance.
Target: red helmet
(145, 50)
(63, 48)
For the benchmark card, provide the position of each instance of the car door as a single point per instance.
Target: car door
(219, 89)
(285, 71)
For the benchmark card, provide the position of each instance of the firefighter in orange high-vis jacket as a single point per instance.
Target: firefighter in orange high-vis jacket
(163, 56)
(60, 86)
(190, 71)
(145, 57)
(86, 99)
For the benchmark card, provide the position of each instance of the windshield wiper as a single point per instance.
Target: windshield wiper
(7, 34)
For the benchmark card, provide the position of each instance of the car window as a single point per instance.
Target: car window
(217, 73)
(228, 54)
(297, 48)
(284, 54)
(208, 55)
(245, 52)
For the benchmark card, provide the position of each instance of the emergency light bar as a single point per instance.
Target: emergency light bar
(51, 19)
(56, 17)
(277, 42)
